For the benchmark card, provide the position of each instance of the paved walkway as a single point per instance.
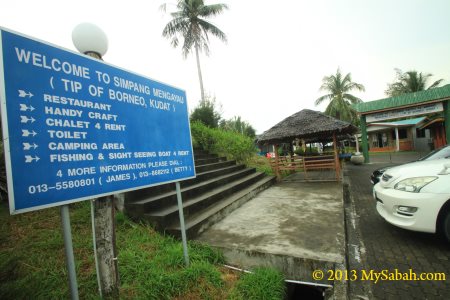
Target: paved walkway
(381, 246)
(290, 221)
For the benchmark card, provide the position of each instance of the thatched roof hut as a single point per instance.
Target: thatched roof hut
(309, 125)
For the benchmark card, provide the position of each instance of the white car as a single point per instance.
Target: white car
(416, 196)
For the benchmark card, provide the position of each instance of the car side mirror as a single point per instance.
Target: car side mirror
(445, 170)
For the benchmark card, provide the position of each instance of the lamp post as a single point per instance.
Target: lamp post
(89, 39)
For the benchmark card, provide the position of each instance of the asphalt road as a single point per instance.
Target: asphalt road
(373, 244)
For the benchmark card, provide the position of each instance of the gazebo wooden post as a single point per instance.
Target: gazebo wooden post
(336, 158)
(277, 160)
(291, 153)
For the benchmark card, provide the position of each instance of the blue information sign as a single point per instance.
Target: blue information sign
(75, 128)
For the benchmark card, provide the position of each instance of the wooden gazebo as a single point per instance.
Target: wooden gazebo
(310, 126)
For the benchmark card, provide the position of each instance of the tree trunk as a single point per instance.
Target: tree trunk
(105, 241)
(200, 78)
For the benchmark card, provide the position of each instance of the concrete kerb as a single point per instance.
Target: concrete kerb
(355, 249)
(295, 269)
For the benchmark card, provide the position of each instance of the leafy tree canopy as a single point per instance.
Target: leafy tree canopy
(410, 82)
(190, 24)
(207, 112)
(236, 124)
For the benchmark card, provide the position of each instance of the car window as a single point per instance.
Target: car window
(438, 154)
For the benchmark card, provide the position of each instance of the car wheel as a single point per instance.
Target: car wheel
(446, 226)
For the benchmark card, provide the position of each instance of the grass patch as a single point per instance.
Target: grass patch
(263, 283)
(151, 266)
(261, 164)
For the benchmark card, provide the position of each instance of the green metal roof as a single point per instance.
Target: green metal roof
(404, 100)
(406, 122)
(410, 121)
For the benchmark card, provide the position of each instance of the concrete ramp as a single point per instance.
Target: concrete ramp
(296, 227)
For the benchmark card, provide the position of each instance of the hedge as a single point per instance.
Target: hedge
(231, 144)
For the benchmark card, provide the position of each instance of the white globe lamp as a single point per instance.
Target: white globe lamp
(90, 39)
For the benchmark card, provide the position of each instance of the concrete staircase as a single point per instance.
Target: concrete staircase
(220, 187)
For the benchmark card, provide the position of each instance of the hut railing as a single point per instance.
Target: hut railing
(287, 163)
(303, 163)
(323, 162)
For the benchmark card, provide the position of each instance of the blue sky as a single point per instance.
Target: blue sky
(277, 51)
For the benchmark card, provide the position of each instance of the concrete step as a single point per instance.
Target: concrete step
(203, 155)
(208, 160)
(214, 173)
(200, 220)
(140, 207)
(162, 218)
(214, 166)
(170, 187)
(198, 151)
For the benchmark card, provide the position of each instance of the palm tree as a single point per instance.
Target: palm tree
(236, 124)
(340, 99)
(410, 82)
(190, 24)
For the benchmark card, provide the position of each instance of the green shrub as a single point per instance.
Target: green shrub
(231, 144)
(202, 136)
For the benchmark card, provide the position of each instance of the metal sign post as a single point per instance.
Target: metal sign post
(183, 227)
(97, 269)
(70, 260)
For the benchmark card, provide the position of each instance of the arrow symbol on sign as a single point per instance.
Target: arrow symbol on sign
(24, 107)
(23, 94)
(28, 146)
(29, 158)
(26, 132)
(24, 119)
